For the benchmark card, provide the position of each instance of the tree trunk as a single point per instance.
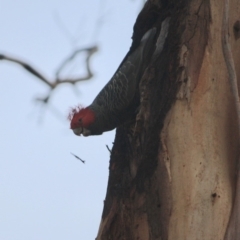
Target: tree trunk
(172, 171)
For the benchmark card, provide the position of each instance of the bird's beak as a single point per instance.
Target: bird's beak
(86, 132)
(78, 131)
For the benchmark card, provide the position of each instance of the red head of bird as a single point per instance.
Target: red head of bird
(80, 119)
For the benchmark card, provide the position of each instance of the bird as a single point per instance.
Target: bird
(119, 99)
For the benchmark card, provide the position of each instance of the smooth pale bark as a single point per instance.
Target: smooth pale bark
(174, 178)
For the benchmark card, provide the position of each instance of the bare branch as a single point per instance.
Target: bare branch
(108, 149)
(57, 81)
(83, 161)
(27, 67)
(90, 52)
(54, 83)
(62, 27)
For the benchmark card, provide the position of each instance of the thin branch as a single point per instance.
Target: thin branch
(27, 67)
(83, 161)
(63, 28)
(101, 16)
(90, 52)
(233, 230)
(108, 149)
(54, 83)
(57, 81)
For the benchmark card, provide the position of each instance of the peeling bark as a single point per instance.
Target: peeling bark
(172, 169)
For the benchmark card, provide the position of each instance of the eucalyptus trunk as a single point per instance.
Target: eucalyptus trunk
(172, 171)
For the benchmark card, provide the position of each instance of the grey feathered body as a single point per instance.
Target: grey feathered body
(116, 101)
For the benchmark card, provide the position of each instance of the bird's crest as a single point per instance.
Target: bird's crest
(74, 111)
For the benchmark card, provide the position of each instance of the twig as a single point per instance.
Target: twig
(83, 161)
(27, 67)
(101, 15)
(57, 81)
(108, 149)
(233, 230)
(62, 27)
(90, 52)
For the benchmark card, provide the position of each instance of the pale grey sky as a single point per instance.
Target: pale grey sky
(45, 193)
